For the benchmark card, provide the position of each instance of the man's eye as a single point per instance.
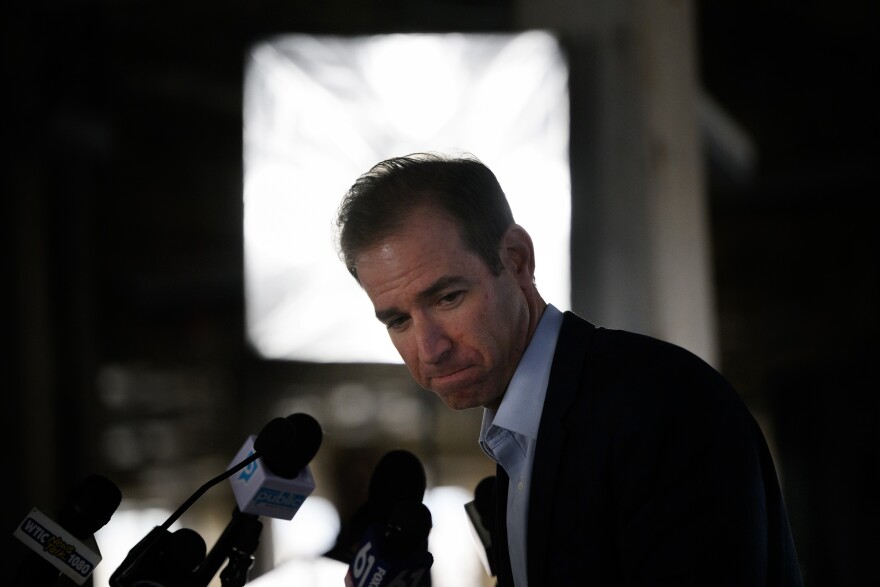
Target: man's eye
(396, 323)
(450, 298)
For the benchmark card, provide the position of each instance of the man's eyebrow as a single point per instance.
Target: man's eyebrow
(431, 291)
(444, 282)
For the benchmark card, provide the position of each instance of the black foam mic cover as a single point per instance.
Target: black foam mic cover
(398, 476)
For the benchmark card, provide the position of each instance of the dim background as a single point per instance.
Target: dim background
(122, 224)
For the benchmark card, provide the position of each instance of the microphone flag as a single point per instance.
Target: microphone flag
(261, 492)
(57, 546)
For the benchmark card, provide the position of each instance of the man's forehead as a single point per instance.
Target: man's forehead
(424, 224)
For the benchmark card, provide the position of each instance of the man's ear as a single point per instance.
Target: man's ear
(518, 254)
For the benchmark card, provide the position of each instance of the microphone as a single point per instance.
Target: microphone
(161, 559)
(386, 541)
(241, 533)
(398, 476)
(155, 558)
(277, 483)
(66, 547)
(396, 554)
(481, 513)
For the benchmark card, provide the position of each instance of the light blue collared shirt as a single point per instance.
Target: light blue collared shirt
(508, 434)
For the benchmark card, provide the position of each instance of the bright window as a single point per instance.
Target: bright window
(320, 111)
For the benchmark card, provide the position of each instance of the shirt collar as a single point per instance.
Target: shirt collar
(520, 409)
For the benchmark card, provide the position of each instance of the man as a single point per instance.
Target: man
(621, 459)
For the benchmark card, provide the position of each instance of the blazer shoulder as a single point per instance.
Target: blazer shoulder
(631, 363)
(614, 346)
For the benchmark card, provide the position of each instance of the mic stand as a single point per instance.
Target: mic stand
(140, 555)
(241, 536)
(241, 555)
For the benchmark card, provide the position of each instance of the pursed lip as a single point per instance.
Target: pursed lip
(448, 377)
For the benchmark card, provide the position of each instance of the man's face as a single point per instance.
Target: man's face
(460, 329)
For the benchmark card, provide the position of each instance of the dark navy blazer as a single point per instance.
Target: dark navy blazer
(649, 470)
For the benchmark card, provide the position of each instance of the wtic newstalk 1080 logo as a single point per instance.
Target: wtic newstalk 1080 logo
(70, 556)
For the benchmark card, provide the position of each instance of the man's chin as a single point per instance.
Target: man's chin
(458, 402)
(462, 407)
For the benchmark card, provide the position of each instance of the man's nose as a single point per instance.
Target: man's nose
(434, 343)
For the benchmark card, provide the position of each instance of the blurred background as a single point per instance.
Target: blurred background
(712, 165)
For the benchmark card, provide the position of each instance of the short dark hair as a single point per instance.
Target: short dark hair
(460, 186)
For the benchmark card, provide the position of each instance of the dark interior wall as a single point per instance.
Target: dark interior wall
(796, 259)
(124, 233)
(123, 229)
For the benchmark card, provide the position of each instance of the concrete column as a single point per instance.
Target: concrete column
(641, 253)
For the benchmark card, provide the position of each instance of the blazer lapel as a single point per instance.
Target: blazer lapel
(571, 349)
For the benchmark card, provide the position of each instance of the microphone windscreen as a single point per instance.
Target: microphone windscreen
(287, 445)
(275, 442)
(276, 439)
(185, 550)
(308, 440)
(398, 476)
(90, 506)
(408, 528)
